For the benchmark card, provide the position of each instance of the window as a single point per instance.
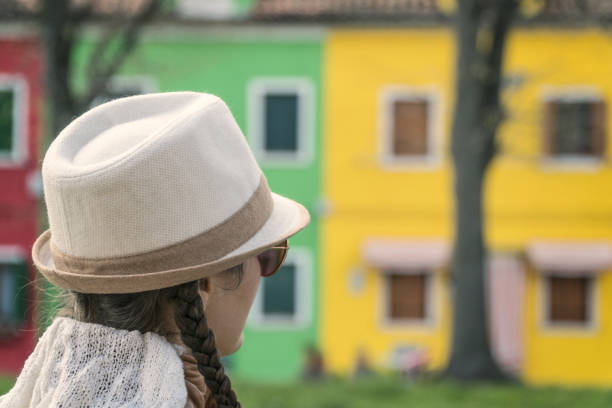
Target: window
(409, 126)
(407, 296)
(284, 300)
(281, 120)
(574, 127)
(7, 106)
(568, 274)
(13, 279)
(13, 143)
(569, 300)
(279, 293)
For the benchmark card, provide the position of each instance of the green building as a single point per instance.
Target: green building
(270, 77)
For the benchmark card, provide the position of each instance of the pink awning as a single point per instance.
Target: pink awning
(409, 254)
(570, 257)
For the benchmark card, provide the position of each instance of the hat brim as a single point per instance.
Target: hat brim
(288, 218)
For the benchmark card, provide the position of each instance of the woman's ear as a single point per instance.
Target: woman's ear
(204, 290)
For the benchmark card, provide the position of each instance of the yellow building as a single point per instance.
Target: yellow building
(388, 183)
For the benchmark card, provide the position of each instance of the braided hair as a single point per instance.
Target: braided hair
(141, 311)
(195, 333)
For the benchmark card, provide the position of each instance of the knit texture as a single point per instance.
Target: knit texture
(145, 172)
(77, 364)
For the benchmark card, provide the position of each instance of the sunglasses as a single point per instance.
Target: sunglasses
(272, 258)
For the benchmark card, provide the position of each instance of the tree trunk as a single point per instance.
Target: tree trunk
(58, 38)
(60, 21)
(482, 27)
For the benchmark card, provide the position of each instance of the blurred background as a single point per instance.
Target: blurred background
(454, 157)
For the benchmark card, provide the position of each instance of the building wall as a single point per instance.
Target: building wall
(224, 63)
(526, 198)
(363, 196)
(556, 203)
(20, 65)
(368, 199)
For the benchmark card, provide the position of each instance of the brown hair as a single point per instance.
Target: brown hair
(142, 311)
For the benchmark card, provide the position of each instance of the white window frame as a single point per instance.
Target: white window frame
(302, 259)
(430, 306)
(387, 97)
(577, 93)
(19, 86)
(145, 83)
(257, 89)
(588, 327)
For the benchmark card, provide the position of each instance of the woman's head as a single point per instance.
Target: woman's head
(226, 299)
(207, 315)
(147, 192)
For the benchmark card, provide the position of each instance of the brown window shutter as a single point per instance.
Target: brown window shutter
(407, 296)
(548, 141)
(599, 128)
(568, 299)
(410, 127)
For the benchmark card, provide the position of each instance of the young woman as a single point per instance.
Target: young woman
(161, 226)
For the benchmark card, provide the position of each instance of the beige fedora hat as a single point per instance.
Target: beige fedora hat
(155, 190)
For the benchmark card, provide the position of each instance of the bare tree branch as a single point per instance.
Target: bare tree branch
(596, 10)
(100, 50)
(100, 74)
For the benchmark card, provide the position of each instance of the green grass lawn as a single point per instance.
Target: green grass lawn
(5, 384)
(390, 392)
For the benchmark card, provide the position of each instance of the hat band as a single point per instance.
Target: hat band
(203, 248)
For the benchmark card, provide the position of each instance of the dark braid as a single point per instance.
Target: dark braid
(195, 333)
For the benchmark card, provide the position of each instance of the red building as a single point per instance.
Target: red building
(20, 96)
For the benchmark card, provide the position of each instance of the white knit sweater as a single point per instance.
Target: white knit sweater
(78, 364)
